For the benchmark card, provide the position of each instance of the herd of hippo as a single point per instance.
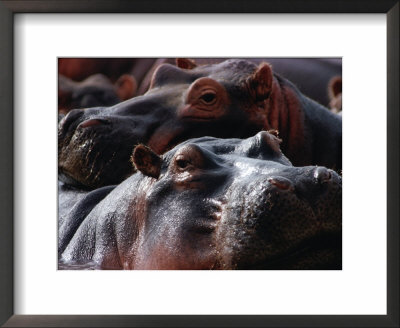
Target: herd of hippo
(205, 164)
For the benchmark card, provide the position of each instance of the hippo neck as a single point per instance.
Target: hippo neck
(310, 133)
(285, 114)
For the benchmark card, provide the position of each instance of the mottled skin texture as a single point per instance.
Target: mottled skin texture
(215, 204)
(235, 98)
(96, 90)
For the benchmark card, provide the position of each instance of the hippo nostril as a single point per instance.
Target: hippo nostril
(92, 122)
(281, 183)
(321, 174)
(68, 119)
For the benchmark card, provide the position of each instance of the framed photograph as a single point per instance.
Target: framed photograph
(125, 121)
(37, 36)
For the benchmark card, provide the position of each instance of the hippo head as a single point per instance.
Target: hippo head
(227, 204)
(184, 101)
(96, 90)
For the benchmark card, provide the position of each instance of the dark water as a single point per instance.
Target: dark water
(78, 266)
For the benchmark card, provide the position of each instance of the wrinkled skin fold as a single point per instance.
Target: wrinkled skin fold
(212, 203)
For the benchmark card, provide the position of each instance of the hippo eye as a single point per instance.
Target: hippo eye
(182, 163)
(208, 98)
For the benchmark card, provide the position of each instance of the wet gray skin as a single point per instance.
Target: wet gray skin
(230, 99)
(215, 204)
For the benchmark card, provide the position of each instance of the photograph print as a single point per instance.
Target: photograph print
(200, 163)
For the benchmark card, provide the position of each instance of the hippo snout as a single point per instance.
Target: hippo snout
(272, 216)
(322, 174)
(95, 136)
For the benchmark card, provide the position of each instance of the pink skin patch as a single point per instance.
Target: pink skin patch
(281, 183)
(89, 123)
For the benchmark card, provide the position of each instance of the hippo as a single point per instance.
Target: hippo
(96, 90)
(232, 99)
(212, 203)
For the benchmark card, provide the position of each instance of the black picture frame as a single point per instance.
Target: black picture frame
(10, 7)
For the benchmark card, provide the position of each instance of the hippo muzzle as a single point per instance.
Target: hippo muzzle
(92, 149)
(95, 144)
(289, 218)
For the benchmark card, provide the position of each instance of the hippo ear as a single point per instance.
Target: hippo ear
(260, 82)
(335, 87)
(275, 133)
(185, 63)
(271, 138)
(146, 161)
(126, 87)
